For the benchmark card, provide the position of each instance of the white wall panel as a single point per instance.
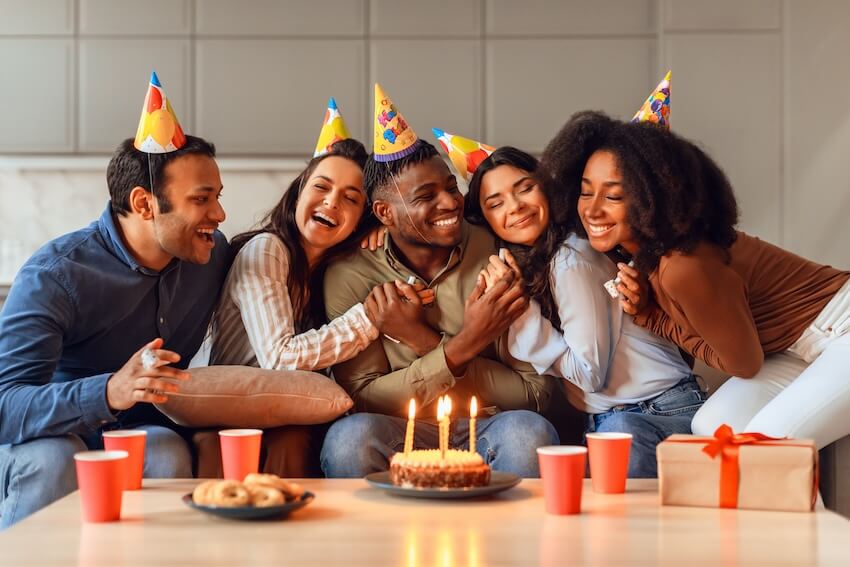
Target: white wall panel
(434, 18)
(37, 95)
(533, 86)
(700, 15)
(280, 17)
(265, 96)
(26, 17)
(433, 84)
(572, 17)
(726, 94)
(114, 76)
(132, 17)
(817, 193)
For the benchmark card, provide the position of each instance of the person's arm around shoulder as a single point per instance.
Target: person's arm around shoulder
(713, 299)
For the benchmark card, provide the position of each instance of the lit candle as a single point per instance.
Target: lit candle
(473, 412)
(448, 410)
(440, 424)
(408, 437)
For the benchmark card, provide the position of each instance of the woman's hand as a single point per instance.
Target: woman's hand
(499, 269)
(635, 292)
(375, 238)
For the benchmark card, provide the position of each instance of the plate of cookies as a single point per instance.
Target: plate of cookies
(258, 497)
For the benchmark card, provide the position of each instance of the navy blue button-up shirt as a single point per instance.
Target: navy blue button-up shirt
(79, 308)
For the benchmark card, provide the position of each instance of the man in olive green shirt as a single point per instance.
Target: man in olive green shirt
(454, 346)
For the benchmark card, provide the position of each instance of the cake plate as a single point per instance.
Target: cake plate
(499, 481)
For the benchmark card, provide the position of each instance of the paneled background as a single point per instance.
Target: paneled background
(762, 84)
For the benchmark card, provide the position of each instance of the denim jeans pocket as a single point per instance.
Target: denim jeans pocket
(680, 399)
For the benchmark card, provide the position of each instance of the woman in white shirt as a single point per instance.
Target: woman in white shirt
(624, 377)
(271, 313)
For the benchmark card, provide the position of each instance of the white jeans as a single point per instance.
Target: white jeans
(789, 396)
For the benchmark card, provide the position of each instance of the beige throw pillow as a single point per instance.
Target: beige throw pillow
(244, 396)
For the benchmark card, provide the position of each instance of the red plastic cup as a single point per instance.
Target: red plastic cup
(609, 461)
(132, 441)
(240, 452)
(562, 472)
(100, 477)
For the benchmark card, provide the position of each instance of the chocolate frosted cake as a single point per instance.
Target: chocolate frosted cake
(428, 469)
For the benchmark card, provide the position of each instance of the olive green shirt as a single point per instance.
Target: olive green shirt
(384, 376)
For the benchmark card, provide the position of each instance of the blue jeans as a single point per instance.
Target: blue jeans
(650, 422)
(363, 443)
(38, 472)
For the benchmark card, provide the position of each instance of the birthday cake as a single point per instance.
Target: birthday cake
(430, 469)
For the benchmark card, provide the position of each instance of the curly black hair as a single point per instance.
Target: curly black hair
(678, 196)
(534, 261)
(377, 175)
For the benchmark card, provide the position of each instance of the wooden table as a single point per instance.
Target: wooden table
(350, 523)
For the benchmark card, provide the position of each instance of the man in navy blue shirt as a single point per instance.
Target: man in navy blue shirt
(84, 307)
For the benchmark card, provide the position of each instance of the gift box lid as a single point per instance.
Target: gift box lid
(689, 448)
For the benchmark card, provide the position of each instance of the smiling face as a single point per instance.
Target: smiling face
(427, 207)
(193, 188)
(330, 204)
(513, 205)
(603, 205)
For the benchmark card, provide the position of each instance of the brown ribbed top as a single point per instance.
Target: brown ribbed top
(730, 313)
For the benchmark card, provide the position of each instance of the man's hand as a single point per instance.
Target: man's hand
(487, 314)
(396, 309)
(135, 383)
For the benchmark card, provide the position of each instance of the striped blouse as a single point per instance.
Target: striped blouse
(255, 325)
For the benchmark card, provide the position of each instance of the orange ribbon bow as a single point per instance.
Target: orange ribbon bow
(726, 443)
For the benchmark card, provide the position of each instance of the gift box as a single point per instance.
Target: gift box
(747, 471)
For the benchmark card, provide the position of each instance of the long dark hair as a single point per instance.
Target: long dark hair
(308, 308)
(534, 261)
(678, 195)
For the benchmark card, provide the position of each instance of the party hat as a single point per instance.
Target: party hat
(657, 106)
(333, 130)
(466, 154)
(159, 131)
(394, 139)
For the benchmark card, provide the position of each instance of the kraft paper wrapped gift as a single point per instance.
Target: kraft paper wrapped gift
(746, 471)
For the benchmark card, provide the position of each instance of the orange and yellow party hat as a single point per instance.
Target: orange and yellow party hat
(159, 131)
(333, 130)
(466, 154)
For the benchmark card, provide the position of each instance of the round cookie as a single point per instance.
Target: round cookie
(265, 496)
(203, 492)
(230, 494)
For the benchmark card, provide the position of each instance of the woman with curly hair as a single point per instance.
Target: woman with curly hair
(775, 321)
(625, 378)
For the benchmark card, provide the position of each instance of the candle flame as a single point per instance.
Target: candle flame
(448, 407)
(411, 409)
(473, 407)
(440, 411)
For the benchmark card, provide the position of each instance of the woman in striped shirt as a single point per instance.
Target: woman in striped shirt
(271, 313)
